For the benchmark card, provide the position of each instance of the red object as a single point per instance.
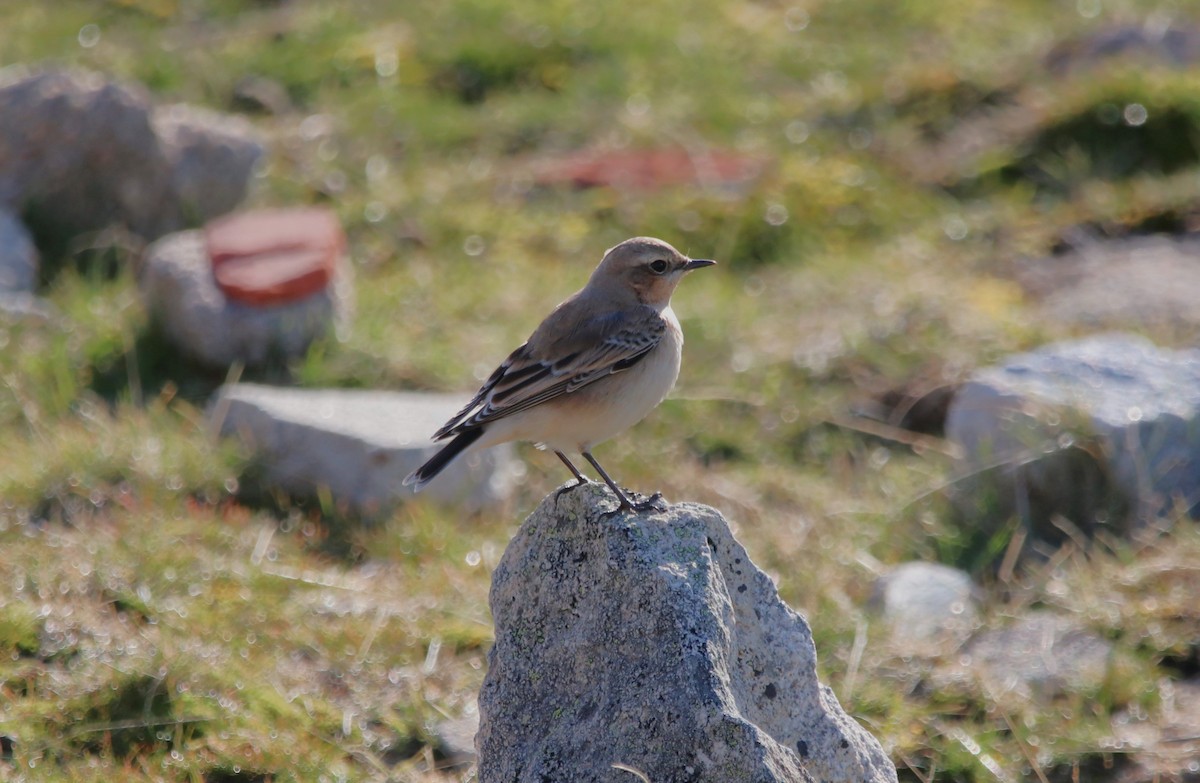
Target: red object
(649, 169)
(274, 256)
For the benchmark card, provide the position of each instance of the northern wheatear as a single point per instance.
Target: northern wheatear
(596, 366)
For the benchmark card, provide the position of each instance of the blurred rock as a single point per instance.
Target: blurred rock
(1130, 407)
(275, 256)
(1147, 282)
(1040, 656)
(19, 260)
(455, 740)
(23, 306)
(359, 445)
(211, 158)
(181, 292)
(652, 641)
(930, 608)
(1153, 41)
(260, 94)
(79, 152)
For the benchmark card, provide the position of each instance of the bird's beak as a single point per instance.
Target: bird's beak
(697, 263)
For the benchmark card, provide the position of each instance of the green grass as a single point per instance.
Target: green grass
(159, 622)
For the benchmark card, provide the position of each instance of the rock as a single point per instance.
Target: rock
(1130, 407)
(179, 290)
(79, 152)
(1147, 282)
(18, 257)
(22, 306)
(274, 256)
(211, 158)
(1149, 43)
(1040, 656)
(652, 641)
(260, 94)
(930, 608)
(454, 740)
(357, 444)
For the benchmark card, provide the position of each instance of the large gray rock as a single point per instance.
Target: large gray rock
(359, 445)
(178, 289)
(18, 256)
(80, 152)
(652, 641)
(1118, 400)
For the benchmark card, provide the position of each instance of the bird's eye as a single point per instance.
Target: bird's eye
(658, 267)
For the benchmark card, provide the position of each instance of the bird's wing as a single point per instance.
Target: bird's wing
(541, 370)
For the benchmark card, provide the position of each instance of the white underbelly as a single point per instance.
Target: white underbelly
(580, 420)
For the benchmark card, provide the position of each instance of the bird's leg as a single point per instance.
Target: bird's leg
(626, 503)
(580, 479)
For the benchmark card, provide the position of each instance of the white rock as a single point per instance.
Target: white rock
(1138, 403)
(178, 289)
(357, 444)
(929, 607)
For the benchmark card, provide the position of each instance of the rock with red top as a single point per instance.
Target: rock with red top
(250, 286)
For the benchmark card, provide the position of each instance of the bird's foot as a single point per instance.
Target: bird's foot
(568, 488)
(653, 503)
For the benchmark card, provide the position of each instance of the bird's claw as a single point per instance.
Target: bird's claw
(653, 503)
(563, 490)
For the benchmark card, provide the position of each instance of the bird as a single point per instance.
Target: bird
(597, 365)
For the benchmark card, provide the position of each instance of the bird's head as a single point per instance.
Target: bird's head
(647, 267)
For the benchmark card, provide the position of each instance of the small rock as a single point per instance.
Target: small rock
(1145, 282)
(650, 640)
(274, 256)
(22, 306)
(1150, 42)
(930, 608)
(211, 158)
(357, 444)
(178, 287)
(1118, 400)
(260, 94)
(1040, 656)
(18, 257)
(455, 740)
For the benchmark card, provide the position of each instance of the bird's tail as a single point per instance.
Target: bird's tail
(424, 474)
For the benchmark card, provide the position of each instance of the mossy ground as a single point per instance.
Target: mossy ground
(155, 625)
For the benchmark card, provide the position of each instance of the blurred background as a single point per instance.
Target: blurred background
(898, 194)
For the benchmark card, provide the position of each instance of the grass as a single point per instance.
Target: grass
(157, 625)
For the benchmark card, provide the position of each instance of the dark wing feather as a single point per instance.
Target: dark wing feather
(597, 348)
